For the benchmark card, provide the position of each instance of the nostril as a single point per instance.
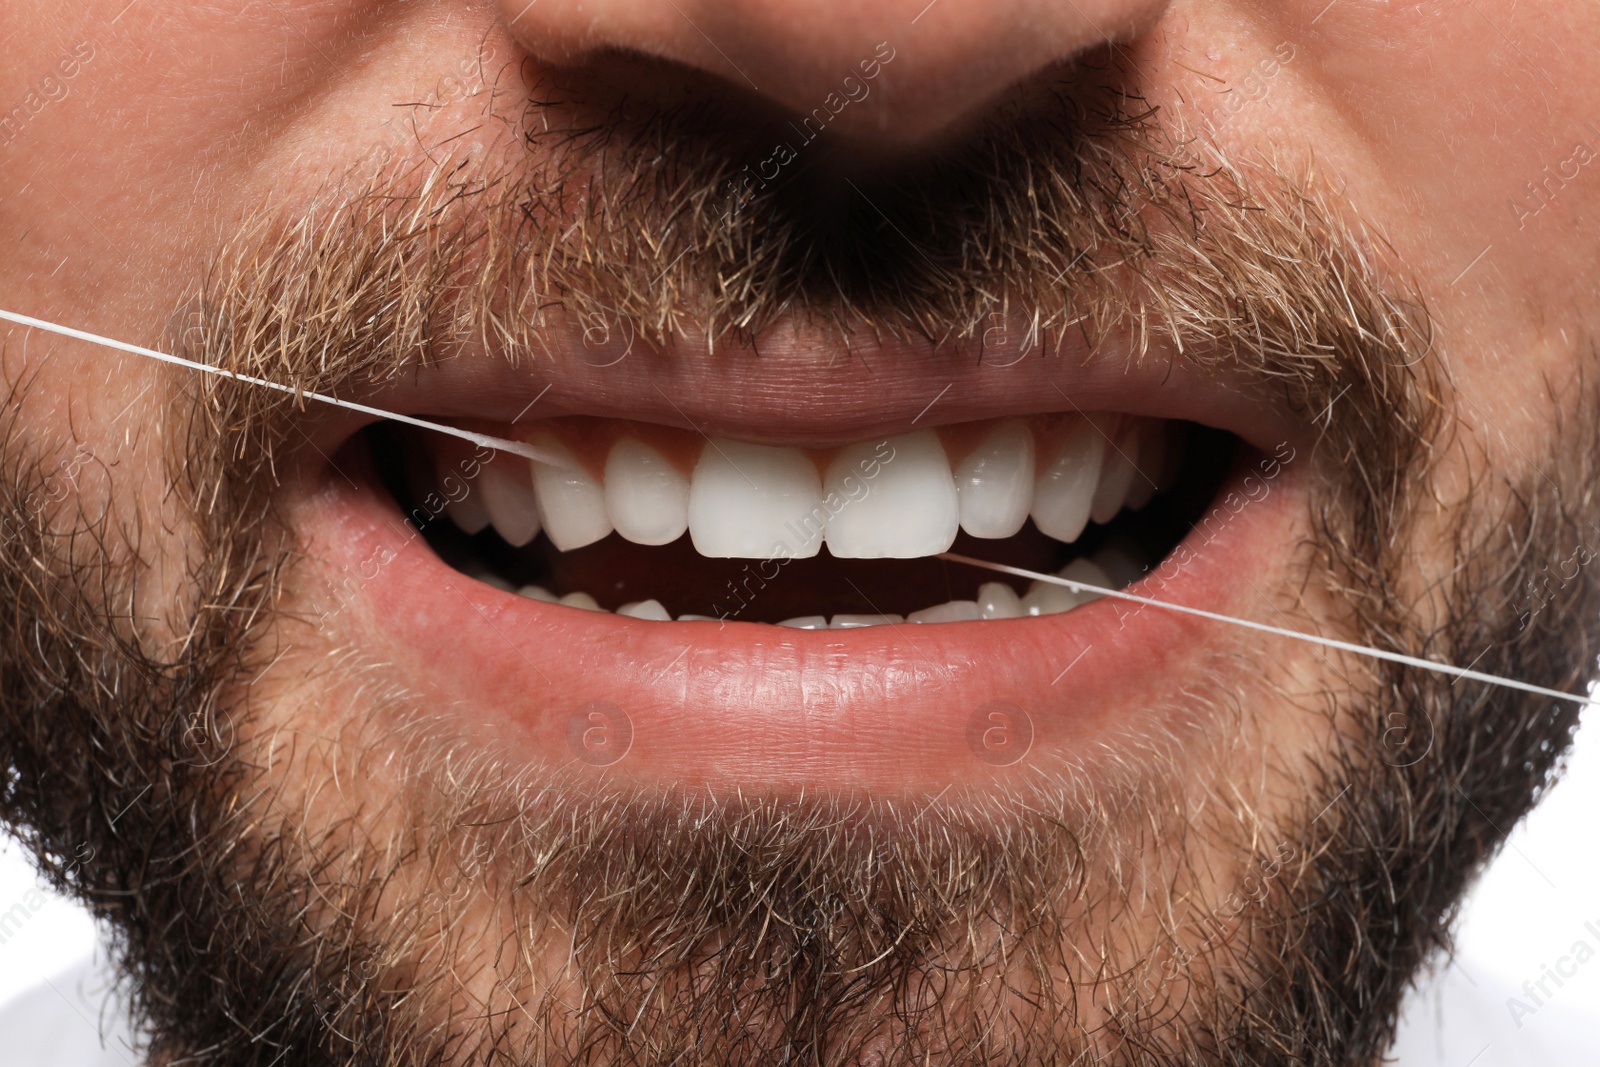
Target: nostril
(898, 72)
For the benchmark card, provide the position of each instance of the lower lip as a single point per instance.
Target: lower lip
(742, 705)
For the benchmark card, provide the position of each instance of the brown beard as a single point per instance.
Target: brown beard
(257, 927)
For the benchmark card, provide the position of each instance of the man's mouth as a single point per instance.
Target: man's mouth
(717, 588)
(661, 524)
(765, 455)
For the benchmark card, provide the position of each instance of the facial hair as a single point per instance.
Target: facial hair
(255, 925)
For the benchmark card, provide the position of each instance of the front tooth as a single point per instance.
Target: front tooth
(510, 504)
(951, 611)
(1064, 490)
(540, 593)
(997, 600)
(1116, 478)
(572, 504)
(645, 609)
(995, 483)
(891, 498)
(646, 497)
(806, 622)
(755, 502)
(581, 600)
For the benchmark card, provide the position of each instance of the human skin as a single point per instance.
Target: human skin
(1433, 117)
(1393, 103)
(1427, 121)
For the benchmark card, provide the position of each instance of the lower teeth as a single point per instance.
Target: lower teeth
(1112, 567)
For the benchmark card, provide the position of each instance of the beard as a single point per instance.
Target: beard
(462, 908)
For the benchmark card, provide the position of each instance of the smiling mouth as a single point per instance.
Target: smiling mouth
(660, 524)
(735, 583)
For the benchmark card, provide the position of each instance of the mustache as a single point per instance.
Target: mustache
(1078, 210)
(1081, 223)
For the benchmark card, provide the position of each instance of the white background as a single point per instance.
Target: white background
(1525, 914)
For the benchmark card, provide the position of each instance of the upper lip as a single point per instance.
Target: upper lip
(818, 395)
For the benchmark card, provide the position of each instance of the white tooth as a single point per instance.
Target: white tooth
(997, 600)
(1116, 477)
(950, 611)
(645, 609)
(1123, 563)
(995, 482)
(891, 498)
(755, 502)
(1063, 490)
(853, 622)
(509, 501)
(1147, 444)
(646, 497)
(1045, 598)
(1084, 570)
(698, 618)
(581, 600)
(572, 504)
(539, 592)
(806, 622)
(468, 513)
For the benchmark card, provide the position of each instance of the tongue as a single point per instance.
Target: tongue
(615, 572)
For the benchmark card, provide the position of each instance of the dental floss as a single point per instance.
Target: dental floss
(1329, 642)
(542, 456)
(516, 448)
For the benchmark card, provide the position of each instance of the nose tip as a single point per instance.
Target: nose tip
(897, 70)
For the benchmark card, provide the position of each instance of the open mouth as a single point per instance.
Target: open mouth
(662, 524)
(732, 580)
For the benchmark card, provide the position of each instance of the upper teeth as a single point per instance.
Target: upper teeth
(1064, 491)
(508, 505)
(571, 503)
(648, 497)
(894, 497)
(995, 483)
(897, 498)
(754, 501)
